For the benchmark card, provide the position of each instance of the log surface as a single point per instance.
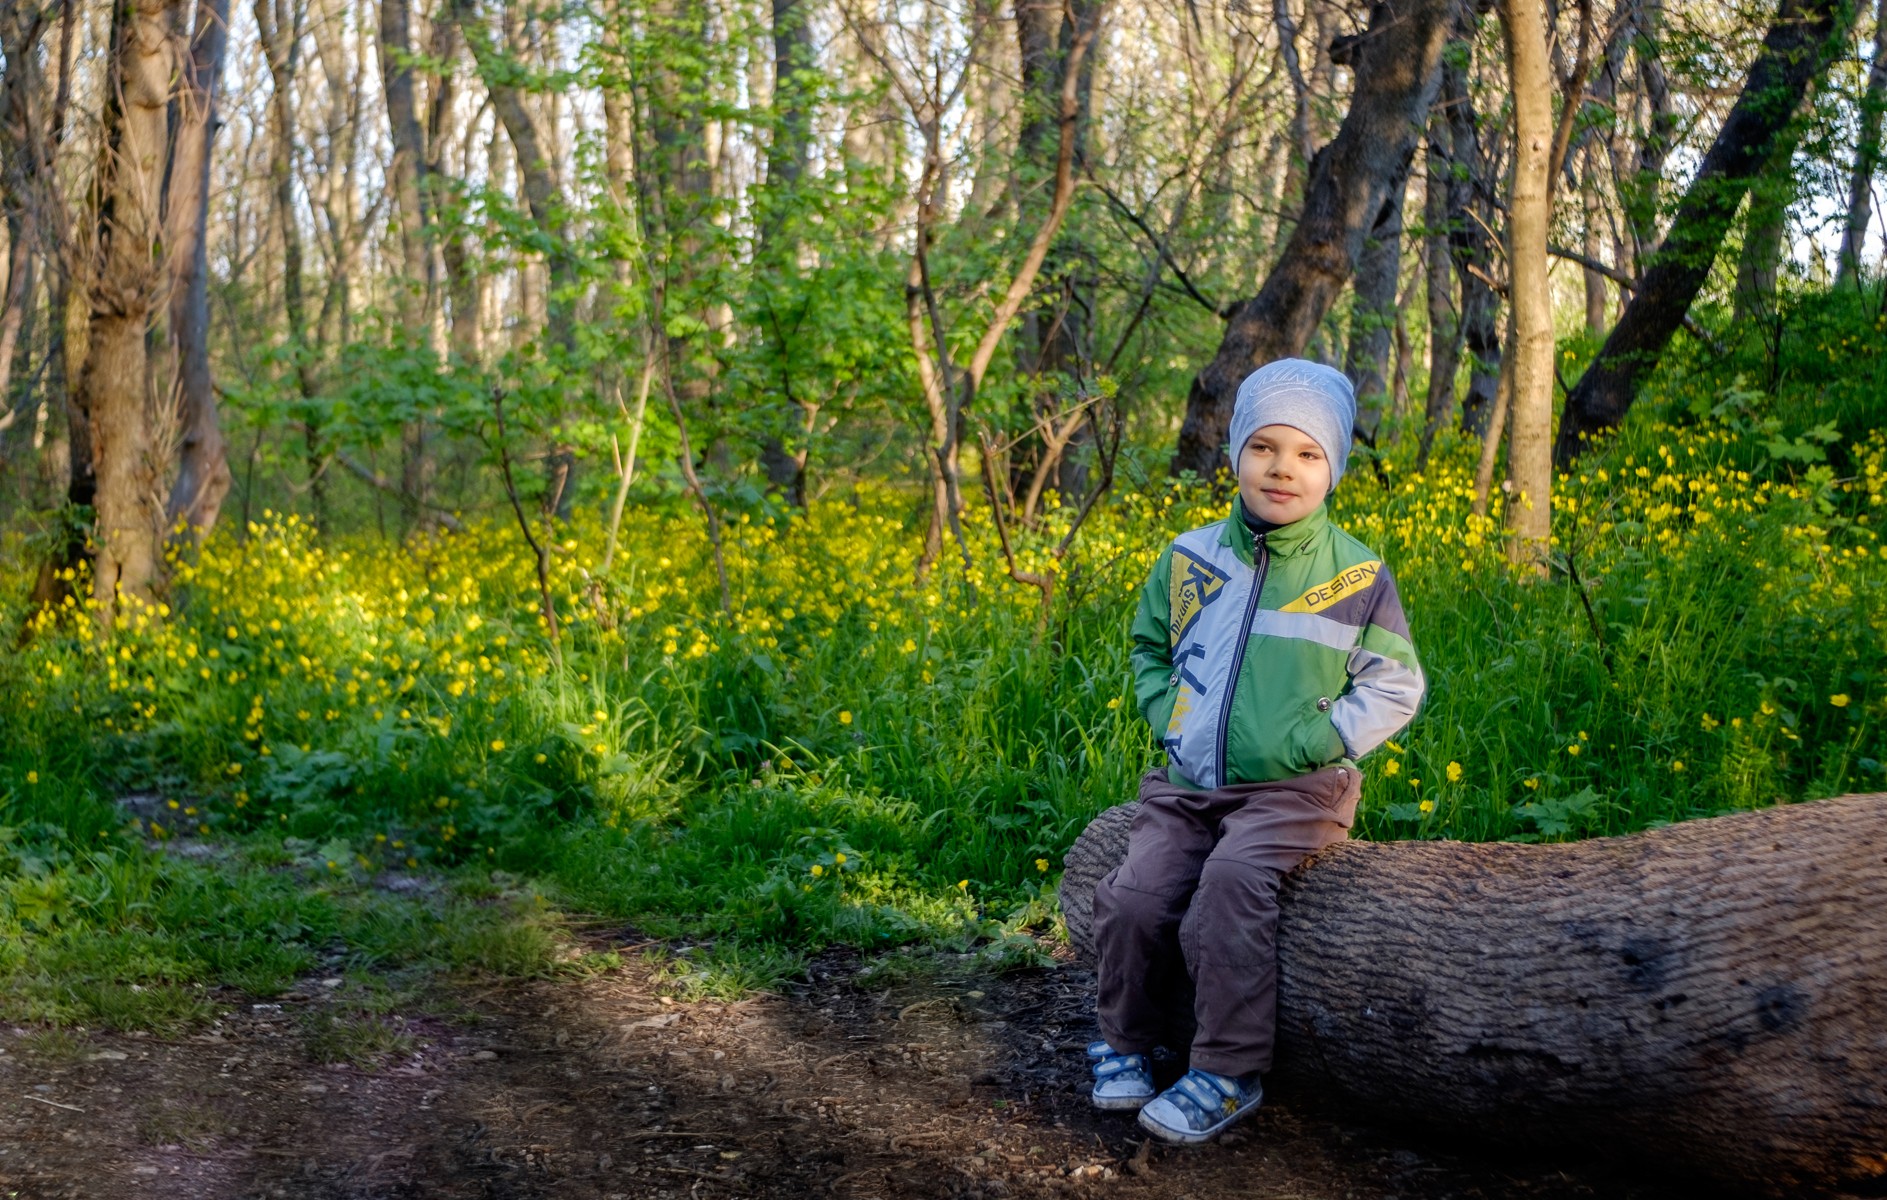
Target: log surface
(1712, 994)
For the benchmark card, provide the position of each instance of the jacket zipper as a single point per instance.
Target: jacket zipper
(1263, 554)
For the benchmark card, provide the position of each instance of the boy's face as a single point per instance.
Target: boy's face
(1282, 474)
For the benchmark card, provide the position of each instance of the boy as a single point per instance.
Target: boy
(1270, 653)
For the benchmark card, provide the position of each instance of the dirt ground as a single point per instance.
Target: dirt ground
(949, 1087)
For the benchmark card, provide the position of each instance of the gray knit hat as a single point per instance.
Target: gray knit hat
(1304, 395)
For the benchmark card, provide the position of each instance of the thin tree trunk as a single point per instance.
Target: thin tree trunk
(21, 29)
(18, 298)
(1765, 224)
(406, 170)
(1530, 407)
(675, 191)
(1444, 313)
(1471, 223)
(416, 288)
(1593, 235)
(1866, 156)
(543, 199)
(1353, 175)
(1799, 45)
(1055, 342)
(788, 155)
(126, 284)
(1373, 308)
(280, 25)
(203, 477)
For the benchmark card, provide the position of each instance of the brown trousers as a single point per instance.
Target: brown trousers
(1191, 918)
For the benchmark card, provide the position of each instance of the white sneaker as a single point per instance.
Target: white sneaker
(1200, 1107)
(1122, 1082)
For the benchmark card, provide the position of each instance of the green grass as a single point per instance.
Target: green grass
(395, 778)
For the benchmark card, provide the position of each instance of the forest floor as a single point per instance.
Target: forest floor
(947, 1086)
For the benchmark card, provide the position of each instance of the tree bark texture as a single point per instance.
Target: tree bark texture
(127, 282)
(1373, 307)
(280, 24)
(1530, 213)
(789, 153)
(20, 33)
(1442, 192)
(407, 169)
(1866, 155)
(1798, 47)
(1395, 75)
(1591, 230)
(1056, 335)
(1471, 222)
(1706, 996)
(203, 478)
(1641, 194)
(416, 291)
(543, 199)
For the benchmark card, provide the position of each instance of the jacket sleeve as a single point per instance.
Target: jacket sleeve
(1386, 683)
(1152, 654)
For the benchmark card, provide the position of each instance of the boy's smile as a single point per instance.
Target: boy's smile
(1283, 474)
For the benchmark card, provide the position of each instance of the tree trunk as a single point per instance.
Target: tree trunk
(1764, 226)
(789, 153)
(1798, 46)
(126, 284)
(1866, 156)
(1471, 222)
(203, 478)
(407, 168)
(1530, 213)
(543, 199)
(280, 24)
(1373, 307)
(675, 191)
(1444, 313)
(1592, 238)
(1055, 335)
(1395, 79)
(20, 32)
(1706, 996)
(416, 290)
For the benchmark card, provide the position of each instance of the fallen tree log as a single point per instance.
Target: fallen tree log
(1710, 996)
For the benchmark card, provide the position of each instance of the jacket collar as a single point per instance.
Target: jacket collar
(1283, 541)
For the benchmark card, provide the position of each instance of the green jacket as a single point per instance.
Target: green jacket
(1260, 657)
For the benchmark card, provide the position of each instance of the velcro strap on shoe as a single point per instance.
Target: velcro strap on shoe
(1207, 1094)
(1114, 1064)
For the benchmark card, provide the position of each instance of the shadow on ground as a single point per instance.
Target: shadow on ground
(953, 1087)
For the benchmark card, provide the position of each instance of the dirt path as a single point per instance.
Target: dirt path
(965, 1087)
